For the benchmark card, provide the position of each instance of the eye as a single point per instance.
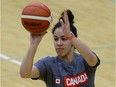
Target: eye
(55, 39)
(64, 38)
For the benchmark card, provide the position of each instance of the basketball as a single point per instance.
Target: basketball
(36, 17)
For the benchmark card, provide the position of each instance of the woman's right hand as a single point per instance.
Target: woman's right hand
(36, 38)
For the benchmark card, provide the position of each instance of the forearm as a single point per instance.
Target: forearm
(27, 63)
(87, 54)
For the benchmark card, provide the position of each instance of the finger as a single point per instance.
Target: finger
(62, 25)
(61, 20)
(43, 33)
(66, 17)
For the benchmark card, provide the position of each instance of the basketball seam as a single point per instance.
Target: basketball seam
(37, 17)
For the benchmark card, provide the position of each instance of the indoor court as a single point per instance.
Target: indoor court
(95, 20)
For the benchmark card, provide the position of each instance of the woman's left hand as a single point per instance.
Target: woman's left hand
(65, 24)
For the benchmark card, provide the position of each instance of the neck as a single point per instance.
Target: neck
(69, 57)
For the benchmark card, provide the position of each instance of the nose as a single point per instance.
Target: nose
(59, 42)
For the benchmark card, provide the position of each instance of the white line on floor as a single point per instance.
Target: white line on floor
(10, 59)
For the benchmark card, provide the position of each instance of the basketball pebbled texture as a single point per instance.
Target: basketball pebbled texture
(36, 17)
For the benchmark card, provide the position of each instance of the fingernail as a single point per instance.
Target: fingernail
(61, 20)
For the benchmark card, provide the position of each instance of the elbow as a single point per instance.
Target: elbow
(92, 60)
(24, 75)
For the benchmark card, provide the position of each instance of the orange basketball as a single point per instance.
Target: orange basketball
(36, 17)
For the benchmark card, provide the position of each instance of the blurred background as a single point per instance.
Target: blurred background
(94, 19)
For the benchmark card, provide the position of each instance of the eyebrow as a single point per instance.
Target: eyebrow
(61, 36)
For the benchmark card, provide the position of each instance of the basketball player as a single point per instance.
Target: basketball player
(68, 68)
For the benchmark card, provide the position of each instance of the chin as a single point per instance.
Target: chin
(61, 55)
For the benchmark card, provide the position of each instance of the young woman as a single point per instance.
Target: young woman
(68, 68)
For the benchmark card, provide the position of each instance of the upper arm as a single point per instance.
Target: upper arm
(35, 72)
(94, 61)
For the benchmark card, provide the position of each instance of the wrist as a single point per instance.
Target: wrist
(33, 46)
(71, 36)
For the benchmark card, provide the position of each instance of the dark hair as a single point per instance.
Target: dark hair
(71, 21)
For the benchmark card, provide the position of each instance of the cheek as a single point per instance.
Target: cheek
(68, 45)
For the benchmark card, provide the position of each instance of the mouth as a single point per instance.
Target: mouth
(59, 49)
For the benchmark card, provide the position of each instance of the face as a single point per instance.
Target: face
(62, 45)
